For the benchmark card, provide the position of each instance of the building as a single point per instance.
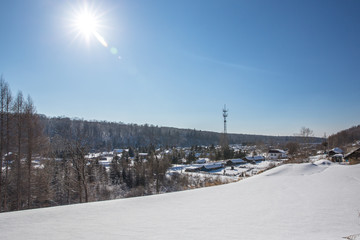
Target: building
(211, 167)
(233, 162)
(202, 160)
(254, 159)
(353, 157)
(274, 154)
(335, 151)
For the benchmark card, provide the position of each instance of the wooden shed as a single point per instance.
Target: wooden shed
(353, 157)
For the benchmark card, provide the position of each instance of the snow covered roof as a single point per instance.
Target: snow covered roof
(236, 161)
(354, 153)
(255, 158)
(337, 150)
(202, 160)
(213, 165)
(338, 155)
(194, 167)
(276, 151)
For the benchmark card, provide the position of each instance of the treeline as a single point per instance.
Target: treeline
(39, 171)
(21, 139)
(76, 178)
(109, 135)
(345, 137)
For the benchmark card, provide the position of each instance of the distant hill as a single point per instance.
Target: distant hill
(345, 137)
(102, 135)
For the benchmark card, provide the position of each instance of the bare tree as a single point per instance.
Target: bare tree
(77, 149)
(30, 118)
(3, 87)
(2, 106)
(306, 133)
(7, 122)
(292, 147)
(19, 117)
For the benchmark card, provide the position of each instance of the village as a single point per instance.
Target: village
(254, 160)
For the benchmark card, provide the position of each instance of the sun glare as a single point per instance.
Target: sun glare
(86, 23)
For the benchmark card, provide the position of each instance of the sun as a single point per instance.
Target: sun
(86, 23)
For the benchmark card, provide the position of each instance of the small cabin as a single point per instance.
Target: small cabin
(211, 167)
(353, 157)
(193, 169)
(337, 158)
(233, 162)
(202, 160)
(335, 151)
(254, 159)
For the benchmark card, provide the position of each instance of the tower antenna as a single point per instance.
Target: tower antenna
(224, 141)
(225, 114)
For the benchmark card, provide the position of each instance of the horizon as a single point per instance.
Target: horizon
(278, 66)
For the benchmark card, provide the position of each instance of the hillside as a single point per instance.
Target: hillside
(344, 137)
(108, 135)
(303, 201)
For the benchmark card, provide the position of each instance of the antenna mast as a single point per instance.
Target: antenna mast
(224, 140)
(225, 114)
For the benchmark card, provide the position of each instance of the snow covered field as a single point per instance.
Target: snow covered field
(317, 200)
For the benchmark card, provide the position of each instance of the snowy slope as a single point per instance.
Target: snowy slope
(304, 201)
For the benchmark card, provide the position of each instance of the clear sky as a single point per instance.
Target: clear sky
(277, 65)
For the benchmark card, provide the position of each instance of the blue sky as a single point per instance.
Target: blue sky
(277, 65)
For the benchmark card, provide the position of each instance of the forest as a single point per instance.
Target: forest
(345, 137)
(105, 136)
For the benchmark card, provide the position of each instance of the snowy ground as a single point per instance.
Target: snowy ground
(317, 200)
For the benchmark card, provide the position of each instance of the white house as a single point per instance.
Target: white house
(274, 154)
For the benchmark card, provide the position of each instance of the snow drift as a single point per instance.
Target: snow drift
(305, 201)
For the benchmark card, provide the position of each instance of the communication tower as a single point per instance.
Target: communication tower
(225, 114)
(224, 140)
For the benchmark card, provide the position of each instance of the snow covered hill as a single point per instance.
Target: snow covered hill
(317, 200)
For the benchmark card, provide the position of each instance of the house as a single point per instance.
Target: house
(335, 151)
(274, 154)
(202, 160)
(254, 159)
(212, 166)
(142, 156)
(353, 157)
(233, 162)
(193, 168)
